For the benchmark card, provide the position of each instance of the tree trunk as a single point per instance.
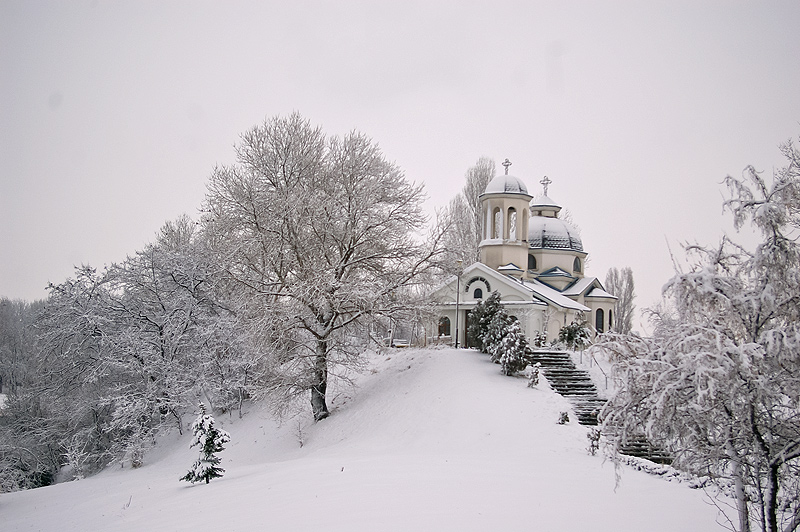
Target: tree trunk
(320, 382)
(771, 499)
(738, 482)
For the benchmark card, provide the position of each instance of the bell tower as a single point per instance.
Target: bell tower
(505, 215)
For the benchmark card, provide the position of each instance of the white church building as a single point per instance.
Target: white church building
(534, 259)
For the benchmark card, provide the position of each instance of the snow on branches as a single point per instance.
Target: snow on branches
(718, 383)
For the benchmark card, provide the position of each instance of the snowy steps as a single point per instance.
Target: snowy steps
(576, 385)
(573, 383)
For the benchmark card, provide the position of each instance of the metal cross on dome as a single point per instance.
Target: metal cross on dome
(545, 183)
(506, 163)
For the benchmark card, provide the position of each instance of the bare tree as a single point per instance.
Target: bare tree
(316, 234)
(462, 221)
(620, 283)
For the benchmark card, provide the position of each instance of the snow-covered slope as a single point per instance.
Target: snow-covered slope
(428, 440)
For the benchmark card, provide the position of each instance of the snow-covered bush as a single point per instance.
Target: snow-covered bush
(211, 441)
(533, 379)
(575, 336)
(594, 441)
(539, 339)
(563, 418)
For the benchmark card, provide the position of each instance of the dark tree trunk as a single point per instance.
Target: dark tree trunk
(320, 383)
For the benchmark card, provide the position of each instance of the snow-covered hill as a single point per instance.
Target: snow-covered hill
(428, 440)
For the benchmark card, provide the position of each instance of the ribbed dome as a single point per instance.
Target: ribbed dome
(552, 233)
(506, 184)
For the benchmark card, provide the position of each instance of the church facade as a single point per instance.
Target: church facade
(534, 259)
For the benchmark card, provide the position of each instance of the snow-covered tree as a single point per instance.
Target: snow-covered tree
(620, 283)
(211, 441)
(512, 348)
(497, 328)
(480, 318)
(575, 335)
(718, 383)
(315, 235)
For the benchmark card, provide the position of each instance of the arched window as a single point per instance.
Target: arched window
(610, 322)
(576, 265)
(531, 262)
(497, 223)
(599, 320)
(444, 326)
(512, 224)
(477, 294)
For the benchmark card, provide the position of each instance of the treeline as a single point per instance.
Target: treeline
(305, 247)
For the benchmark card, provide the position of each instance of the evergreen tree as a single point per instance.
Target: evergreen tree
(575, 335)
(491, 309)
(512, 348)
(211, 441)
(498, 327)
(474, 318)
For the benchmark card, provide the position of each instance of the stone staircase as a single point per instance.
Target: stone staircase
(576, 385)
(573, 383)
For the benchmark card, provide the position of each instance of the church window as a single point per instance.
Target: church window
(599, 319)
(475, 280)
(531, 262)
(444, 326)
(497, 223)
(477, 294)
(512, 223)
(576, 265)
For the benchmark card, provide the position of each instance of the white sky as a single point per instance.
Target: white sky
(113, 114)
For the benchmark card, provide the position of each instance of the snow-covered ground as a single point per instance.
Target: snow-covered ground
(428, 440)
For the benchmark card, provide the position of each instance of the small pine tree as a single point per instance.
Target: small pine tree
(575, 335)
(533, 380)
(211, 441)
(539, 339)
(512, 346)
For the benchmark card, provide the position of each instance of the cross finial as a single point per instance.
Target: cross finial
(545, 183)
(506, 163)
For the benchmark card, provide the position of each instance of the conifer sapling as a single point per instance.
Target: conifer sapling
(211, 441)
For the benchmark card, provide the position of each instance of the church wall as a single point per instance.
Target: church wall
(546, 259)
(504, 252)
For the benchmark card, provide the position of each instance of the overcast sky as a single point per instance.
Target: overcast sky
(113, 114)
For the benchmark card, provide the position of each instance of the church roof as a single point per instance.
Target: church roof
(552, 233)
(599, 292)
(552, 295)
(506, 184)
(543, 200)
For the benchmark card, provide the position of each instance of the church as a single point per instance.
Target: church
(533, 259)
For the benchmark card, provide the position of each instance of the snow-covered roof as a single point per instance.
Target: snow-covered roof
(552, 295)
(506, 184)
(510, 267)
(555, 272)
(599, 292)
(579, 286)
(552, 233)
(544, 201)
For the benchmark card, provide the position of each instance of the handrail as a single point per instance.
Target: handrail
(597, 364)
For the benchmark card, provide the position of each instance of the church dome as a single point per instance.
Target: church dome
(552, 233)
(506, 184)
